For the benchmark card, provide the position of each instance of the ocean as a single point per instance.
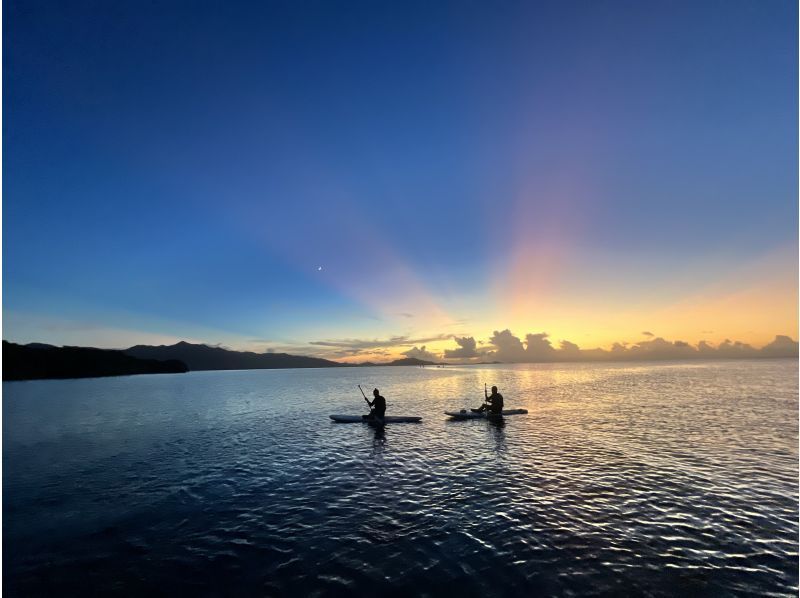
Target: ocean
(662, 479)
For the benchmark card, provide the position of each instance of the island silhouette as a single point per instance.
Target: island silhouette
(41, 361)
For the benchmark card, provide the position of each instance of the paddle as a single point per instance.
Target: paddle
(367, 400)
(362, 394)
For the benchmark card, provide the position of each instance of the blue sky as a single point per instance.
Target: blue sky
(183, 170)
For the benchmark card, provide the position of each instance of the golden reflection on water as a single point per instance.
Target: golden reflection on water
(620, 476)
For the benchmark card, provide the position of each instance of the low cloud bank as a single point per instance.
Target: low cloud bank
(506, 347)
(354, 347)
(421, 353)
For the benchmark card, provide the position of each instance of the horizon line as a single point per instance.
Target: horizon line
(657, 349)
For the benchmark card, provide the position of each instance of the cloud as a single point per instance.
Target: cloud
(538, 348)
(646, 333)
(466, 350)
(782, 346)
(508, 347)
(420, 353)
(570, 349)
(658, 348)
(735, 349)
(705, 347)
(375, 349)
(368, 344)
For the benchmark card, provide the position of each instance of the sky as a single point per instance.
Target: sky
(367, 180)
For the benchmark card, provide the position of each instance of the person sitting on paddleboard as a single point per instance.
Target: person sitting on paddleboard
(378, 405)
(493, 404)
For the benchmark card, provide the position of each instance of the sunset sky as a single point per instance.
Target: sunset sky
(356, 180)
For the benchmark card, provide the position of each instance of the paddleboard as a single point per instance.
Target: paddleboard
(389, 419)
(467, 414)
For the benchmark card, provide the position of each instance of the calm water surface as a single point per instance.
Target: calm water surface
(666, 479)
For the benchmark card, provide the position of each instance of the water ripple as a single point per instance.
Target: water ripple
(651, 480)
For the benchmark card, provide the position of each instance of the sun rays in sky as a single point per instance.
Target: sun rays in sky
(459, 185)
(543, 285)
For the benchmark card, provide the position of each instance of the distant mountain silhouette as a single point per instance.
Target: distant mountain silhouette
(37, 360)
(203, 357)
(40, 346)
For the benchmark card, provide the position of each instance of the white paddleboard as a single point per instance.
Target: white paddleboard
(389, 419)
(467, 414)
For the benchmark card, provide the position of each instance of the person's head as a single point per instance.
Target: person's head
(375, 393)
(494, 390)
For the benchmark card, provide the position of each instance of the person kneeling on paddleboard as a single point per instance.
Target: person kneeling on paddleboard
(493, 404)
(378, 405)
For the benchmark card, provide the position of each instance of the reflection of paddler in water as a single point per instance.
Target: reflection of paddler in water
(493, 403)
(380, 438)
(496, 429)
(378, 406)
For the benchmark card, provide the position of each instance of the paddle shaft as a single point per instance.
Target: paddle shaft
(363, 394)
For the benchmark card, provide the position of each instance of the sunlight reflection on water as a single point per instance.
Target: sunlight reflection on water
(639, 478)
